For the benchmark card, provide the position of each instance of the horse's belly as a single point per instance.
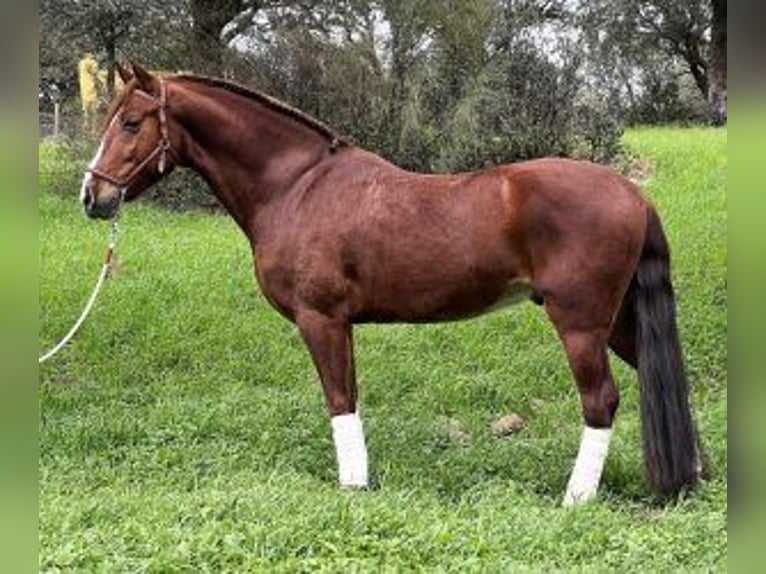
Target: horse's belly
(485, 299)
(517, 291)
(445, 302)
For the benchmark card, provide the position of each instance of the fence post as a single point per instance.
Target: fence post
(56, 119)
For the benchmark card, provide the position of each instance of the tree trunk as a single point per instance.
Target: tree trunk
(209, 19)
(717, 68)
(110, 45)
(698, 67)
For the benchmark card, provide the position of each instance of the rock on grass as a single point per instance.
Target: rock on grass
(507, 425)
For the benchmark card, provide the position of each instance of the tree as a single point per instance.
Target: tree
(717, 69)
(691, 32)
(209, 20)
(433, 86)
(141, 29)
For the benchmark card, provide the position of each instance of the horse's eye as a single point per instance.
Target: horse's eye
(131, 125)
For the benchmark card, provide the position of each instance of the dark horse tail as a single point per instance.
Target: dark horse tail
(671, 448)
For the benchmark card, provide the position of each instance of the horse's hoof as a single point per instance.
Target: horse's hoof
(576, 501)
(354, 487)
(371, 484)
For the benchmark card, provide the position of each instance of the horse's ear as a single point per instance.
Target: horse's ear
(146, 81)
(124, 73)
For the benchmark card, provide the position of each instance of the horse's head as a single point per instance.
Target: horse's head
(135, 147)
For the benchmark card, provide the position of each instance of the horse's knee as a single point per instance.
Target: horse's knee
(590, 366)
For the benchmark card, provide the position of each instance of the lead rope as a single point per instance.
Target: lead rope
(105, 269)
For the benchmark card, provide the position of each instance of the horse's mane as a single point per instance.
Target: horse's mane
(272, 102)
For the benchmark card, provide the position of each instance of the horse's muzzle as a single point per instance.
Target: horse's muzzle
(100, 207)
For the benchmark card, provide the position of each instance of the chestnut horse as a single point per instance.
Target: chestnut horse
(340, 236)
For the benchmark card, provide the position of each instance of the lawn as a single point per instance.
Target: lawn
(184, 429)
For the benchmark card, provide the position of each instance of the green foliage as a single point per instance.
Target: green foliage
(668, 99)
(184, 428)
(432, 87)
(453, 89)
(657, 56)
(156, 31)
(62, 162)
(183, 190)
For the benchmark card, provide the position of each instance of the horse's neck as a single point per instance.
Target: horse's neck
(249, 154)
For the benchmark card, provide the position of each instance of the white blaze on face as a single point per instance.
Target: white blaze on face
(88, 177)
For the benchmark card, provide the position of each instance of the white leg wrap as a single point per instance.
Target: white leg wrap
(348, 435)
(586, 474)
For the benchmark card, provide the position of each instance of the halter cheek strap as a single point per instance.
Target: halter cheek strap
(162, 148)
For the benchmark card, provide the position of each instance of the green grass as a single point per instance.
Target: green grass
(184, 428)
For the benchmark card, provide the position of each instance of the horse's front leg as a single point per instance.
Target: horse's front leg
(331, 346)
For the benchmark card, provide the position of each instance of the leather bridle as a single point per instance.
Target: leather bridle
(162, 148)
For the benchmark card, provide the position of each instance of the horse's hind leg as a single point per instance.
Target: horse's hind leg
(329, 341)
(585, 342)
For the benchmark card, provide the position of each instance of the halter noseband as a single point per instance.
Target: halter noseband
(162, 148)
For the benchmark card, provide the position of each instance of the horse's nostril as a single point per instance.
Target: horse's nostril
(87, 197)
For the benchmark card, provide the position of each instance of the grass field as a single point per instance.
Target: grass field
(184, 429)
